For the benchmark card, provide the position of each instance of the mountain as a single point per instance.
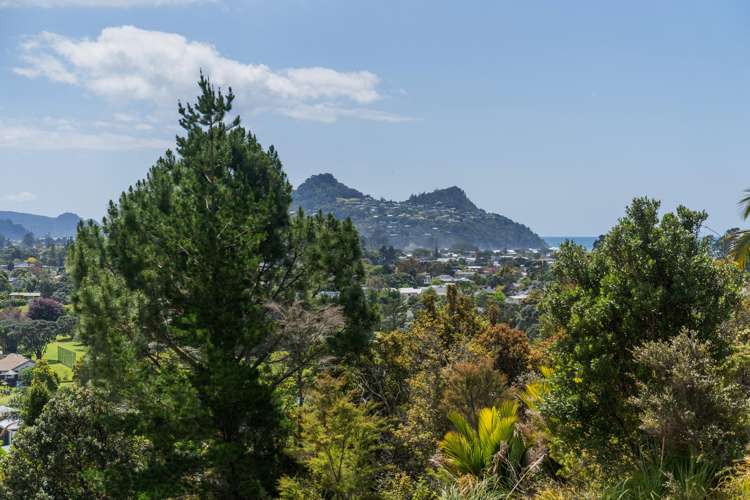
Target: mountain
(444, 217)
(452, 197)
(13, 232)
(62, 226)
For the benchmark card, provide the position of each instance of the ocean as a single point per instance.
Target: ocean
(586, 242)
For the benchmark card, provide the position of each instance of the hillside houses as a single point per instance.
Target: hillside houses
(517, 274)
(11, 367)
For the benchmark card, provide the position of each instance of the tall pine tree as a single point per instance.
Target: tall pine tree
(173, 292)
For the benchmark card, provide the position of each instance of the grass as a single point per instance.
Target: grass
(50, 354)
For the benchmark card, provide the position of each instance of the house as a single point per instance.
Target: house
(424, 278)
(446, 278)
(10, 421)
(25, 295)
(517, 298)
(465, 274)
(11, 367)
(409, 292)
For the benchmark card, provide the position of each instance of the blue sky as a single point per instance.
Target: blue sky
(555, 114)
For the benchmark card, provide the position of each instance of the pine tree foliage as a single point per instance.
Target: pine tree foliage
(172, 291)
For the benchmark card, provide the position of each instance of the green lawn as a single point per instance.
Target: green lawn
(50, 354)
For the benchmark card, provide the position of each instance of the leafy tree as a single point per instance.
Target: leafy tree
(647, 281)
(75, 449)
(28, 240)
(388, 255)
(302, 341)
(4, 282)
(508, 348)
(340, 441)
(172, 293)
(686, 405)
(42, 386)
(32, 336)
(45, 309)
(393, 310)
(471, 386)
(406, 374)
(9, 318)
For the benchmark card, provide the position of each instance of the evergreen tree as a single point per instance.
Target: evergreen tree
(172, 292)
(646, 281)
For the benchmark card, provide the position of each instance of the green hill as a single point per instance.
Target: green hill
(62, 226)
(445, 217)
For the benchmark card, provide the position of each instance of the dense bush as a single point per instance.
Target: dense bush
(45, 309)
(686, 405)
(646, 281)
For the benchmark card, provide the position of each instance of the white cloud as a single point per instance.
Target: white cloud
(97, 3)
(59, 134)
(329, 114)
(131, 64)
(19, 197)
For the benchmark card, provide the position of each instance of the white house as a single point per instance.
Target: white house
(25, 295)
(9, 424)
(409, 292)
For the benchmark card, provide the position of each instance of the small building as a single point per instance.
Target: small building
(446, 278)
(10, 421)
(11, 367)
(424, 278)
(25, 295)
(409, 292)
(517, 298)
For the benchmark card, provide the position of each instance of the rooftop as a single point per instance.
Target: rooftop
(12, 361)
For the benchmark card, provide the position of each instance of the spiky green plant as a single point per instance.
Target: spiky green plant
(485, 489)
(683, 478)
(533, 392)
(493, 446)
(741, 243)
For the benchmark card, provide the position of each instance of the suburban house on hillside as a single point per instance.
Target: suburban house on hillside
(11, 367)
(10, 421)
(25, 295)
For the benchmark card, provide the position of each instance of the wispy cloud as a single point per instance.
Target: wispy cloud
(49, 4)
(61, 134)
(328, 114)
(20, 197)
(127, 63)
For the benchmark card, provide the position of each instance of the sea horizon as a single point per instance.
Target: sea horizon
(585, 241)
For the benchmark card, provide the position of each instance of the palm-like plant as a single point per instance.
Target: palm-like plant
(741, 243)
(494, 443)
(533, 393)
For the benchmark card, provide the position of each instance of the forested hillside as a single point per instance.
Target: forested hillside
(62, 226)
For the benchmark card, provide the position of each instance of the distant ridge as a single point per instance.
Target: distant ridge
(323, 189)
(452, 197)
(444, 217)
(62, 226)
(12, 231)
